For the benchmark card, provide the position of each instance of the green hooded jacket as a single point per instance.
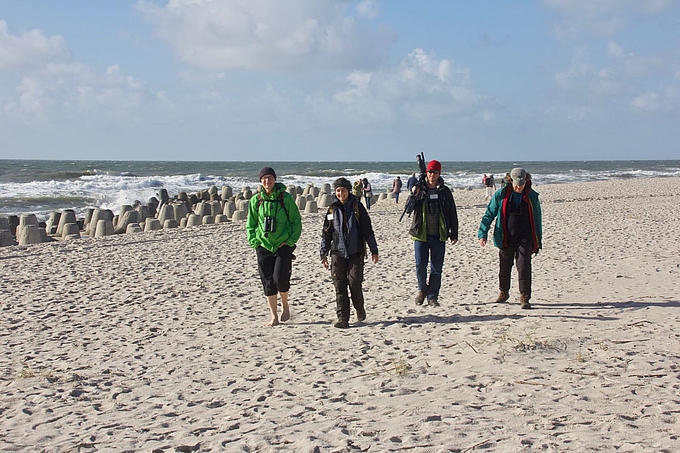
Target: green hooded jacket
(288, 220)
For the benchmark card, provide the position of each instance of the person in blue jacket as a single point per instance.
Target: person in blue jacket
(346, 231)
(517, 232)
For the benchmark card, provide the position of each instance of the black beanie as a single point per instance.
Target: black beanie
(342, 182)
(267, 171)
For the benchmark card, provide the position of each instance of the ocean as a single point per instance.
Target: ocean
(42, 186)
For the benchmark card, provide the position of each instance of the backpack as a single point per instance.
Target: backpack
(260, 200)
(331, 209)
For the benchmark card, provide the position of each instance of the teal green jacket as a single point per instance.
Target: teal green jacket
(288, 220)
(498, 208)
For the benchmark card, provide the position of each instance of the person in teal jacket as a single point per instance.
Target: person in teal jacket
(517, 233)
(273, 228)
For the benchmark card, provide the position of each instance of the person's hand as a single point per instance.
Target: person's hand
(374, 258)
(482, 242)
(454, 241)
(324, 262)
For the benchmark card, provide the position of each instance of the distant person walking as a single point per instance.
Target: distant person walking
(489, 187)
(368, 193)
(346, 231)
(273, 228)
(435, 220)
(505, 181)
(358, 189)
(517, 233)
(412, 181)
(396, 188)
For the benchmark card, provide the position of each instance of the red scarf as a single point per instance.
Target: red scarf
(532, 221)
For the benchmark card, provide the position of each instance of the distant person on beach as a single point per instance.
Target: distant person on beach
(273, 228)
(346, 231)
(489, 187)
(505, 181)
(435, 220)
(396, 188)
(517, 232)
(412, 181)
(368, 192)
(358, 188)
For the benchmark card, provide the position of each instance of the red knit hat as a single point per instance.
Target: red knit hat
(434, 165)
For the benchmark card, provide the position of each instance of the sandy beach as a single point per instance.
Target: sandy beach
(156, 341)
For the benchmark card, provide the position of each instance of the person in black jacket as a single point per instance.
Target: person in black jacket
(435, 220)
(346, 231)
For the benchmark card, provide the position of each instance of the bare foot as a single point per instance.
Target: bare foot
(273, 322)
(285, 314)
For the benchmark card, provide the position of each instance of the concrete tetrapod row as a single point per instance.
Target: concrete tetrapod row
(203, 208)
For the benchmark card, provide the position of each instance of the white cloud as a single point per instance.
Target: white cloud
(647, 101)
(602, 17)
(615, 51)
(264, 34)
(420, 88)
(651, 102)
(59, 91)
(29, 50)
(368, 8)
(568, 112)
(53, 88)
(624, 78)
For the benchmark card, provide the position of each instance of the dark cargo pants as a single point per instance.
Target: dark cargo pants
(508, 255)
(348, 272)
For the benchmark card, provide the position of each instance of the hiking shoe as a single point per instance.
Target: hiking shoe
(420, 298)
(433, 302)
(524, 301)
(503, 296)
(361, 315)
(341, 324)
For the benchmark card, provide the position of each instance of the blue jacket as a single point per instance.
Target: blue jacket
(498, 208)
(359, 230)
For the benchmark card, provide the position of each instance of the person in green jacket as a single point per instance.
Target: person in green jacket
(273, 228)
(517, 234)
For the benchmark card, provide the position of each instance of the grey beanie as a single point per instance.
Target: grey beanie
(267, 171)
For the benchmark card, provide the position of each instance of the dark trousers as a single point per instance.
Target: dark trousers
(275, 269)
(522, 254)
(432, 252)
(348, 272)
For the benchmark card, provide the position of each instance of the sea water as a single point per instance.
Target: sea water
(42, 186)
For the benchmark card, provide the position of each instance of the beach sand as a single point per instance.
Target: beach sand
(156, 341)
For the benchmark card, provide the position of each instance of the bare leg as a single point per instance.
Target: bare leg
(273, 309)
(285, 313)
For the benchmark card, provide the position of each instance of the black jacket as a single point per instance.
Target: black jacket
(359, 231)
(448, 218)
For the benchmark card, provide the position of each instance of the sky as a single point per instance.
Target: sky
(334, 80)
